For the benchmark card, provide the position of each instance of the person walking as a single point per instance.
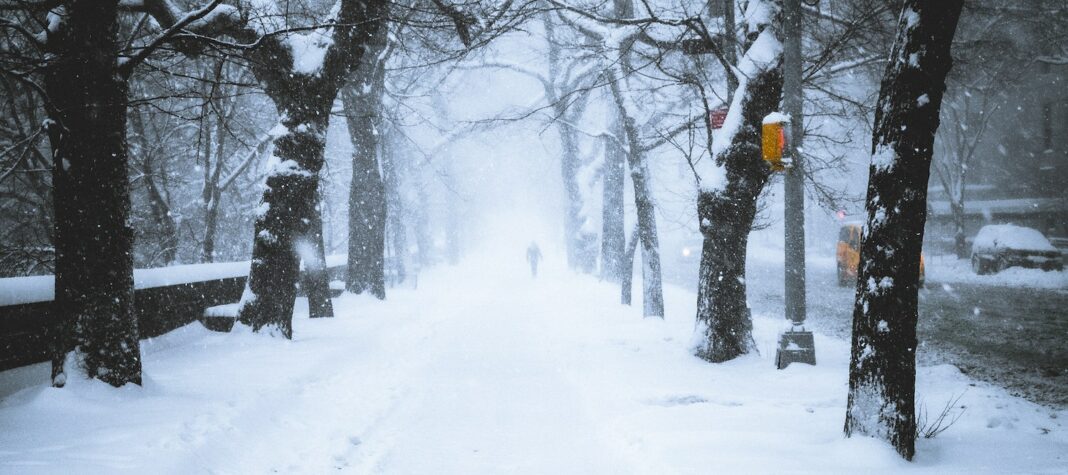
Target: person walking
(533, 256)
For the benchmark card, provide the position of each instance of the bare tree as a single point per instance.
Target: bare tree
(367, 201)
(731, 185)
(617, 48)
(970, 116)
(86, 87)
(882, 369)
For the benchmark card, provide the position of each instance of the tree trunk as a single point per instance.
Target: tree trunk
(628, 263)
(211, 224)
(316, 282)
(94, 243)
(304, 102)
(652, 287)
(453, 247)
(165, 225)
(882, 370)
(395, 209)
(422, 225)
(613, 239)
(613, 236)
(577, 243)
(581, 245)
(569, 164)
(960, 243)
(212, 175)
(287, 208)
(367, 198)
(726, 217)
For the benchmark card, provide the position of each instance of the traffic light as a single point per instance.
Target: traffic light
(775, 141)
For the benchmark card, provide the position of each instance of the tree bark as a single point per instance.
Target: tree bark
(212, 193)
(960, 243)
(652, 283)
(579, 244)
(453, 216)
(288, 204)
(579, 254)
(613, 238)
(628, 263)
(367, 197)
(726, 217)
(211, 223)
(882, 370)
(316, 282)
(422, 225)
(304, 101)
(652, 287)
(94, 243)
(395, 209)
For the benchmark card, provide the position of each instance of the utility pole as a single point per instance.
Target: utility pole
(795, 345)
(794, 185)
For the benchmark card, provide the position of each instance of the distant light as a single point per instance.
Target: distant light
(841, 214)
(686, 252)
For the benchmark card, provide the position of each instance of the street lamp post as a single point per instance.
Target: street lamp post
(795, 345)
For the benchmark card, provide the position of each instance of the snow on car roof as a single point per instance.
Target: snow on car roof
(1010, 236)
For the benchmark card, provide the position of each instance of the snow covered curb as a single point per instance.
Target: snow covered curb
(950, 270)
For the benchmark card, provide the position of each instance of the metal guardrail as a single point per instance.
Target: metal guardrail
(27, 328)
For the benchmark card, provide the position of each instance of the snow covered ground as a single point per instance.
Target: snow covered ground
(485, 370)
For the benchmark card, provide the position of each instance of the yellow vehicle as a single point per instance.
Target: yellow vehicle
(848, 253)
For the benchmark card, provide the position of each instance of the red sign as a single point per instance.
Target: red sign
(716, 117)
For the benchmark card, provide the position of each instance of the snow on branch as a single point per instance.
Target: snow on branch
(253, 23)
(460, 20)
(199, 18)
(1059, 58)
(764, 53)
(514, 67)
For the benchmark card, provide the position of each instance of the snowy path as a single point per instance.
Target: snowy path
(484, 370)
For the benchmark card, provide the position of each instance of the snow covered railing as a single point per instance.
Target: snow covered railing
(165, 298)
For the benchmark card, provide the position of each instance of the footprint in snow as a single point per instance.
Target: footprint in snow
(677, 400)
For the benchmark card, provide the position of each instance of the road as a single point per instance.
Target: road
(1016, 337)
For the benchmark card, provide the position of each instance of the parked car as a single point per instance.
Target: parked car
(1000, 246)
(847, 253)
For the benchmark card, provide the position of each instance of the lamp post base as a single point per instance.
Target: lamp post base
(795, 346)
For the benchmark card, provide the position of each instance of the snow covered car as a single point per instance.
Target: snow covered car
(1000, 246)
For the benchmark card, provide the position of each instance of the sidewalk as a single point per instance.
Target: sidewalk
(483, 369)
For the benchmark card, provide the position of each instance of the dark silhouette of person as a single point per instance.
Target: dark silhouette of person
(533, 256)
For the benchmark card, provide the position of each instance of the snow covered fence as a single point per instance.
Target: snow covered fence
(165, 298)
